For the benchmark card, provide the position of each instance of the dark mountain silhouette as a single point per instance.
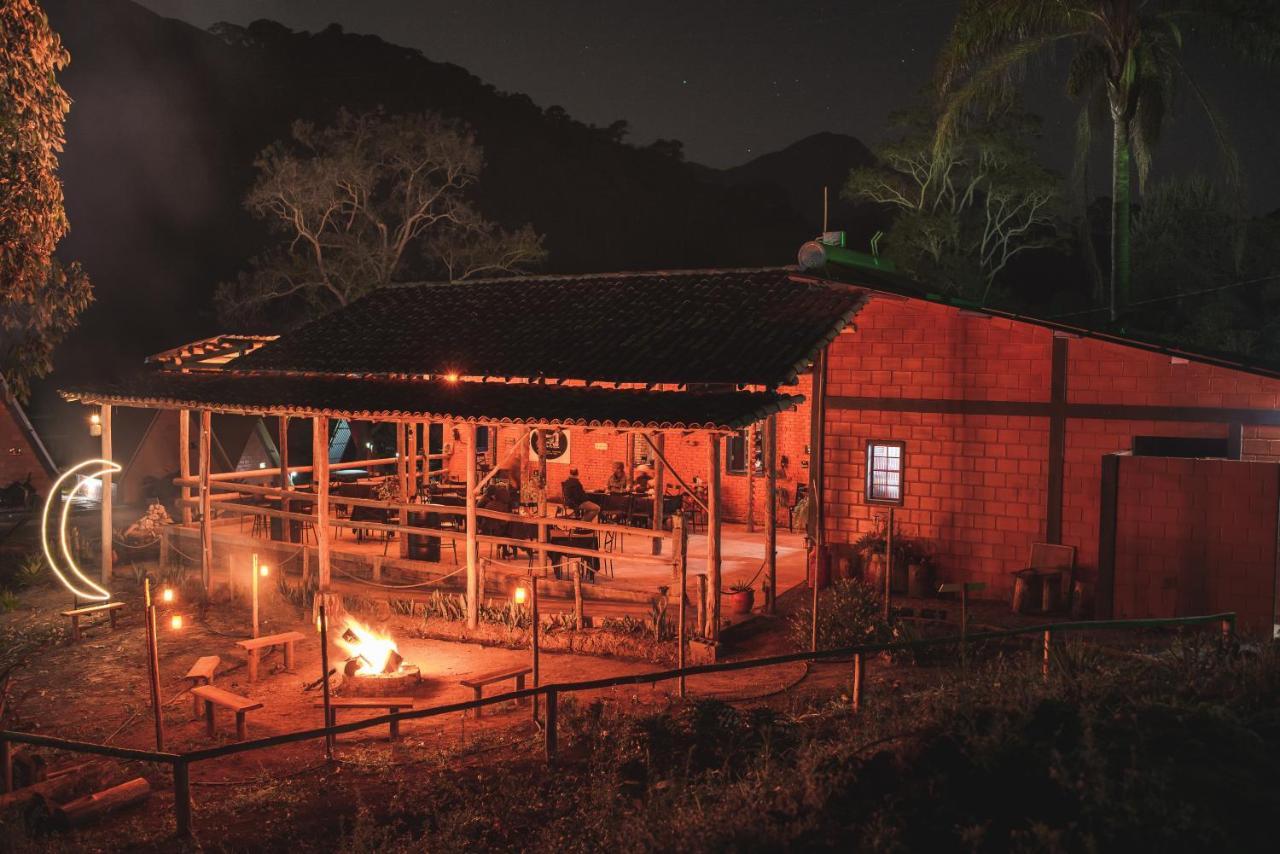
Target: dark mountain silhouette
(167, 120)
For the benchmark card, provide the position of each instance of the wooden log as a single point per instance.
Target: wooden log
(320, 485)
(107, 538)
(658, 443)
(771, 513)
(282, 445)
(93, 807)
(184, 461)
(473, 557)
(206, 509)
(61, 785)
(712, 629)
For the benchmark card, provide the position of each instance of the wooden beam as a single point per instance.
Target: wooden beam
(402, 476)
(107, 536)
(680, 560)
(184, 460)
(499, 462)
(320, 485)
(658, 444)
(712, 630)
(206, 507)
(771, 512)
(473, 557)
(282, 445)
(676, 474)
(749, 455)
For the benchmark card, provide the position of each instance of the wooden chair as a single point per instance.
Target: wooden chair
(1046, 581)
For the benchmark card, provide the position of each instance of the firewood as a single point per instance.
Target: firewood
(311, 686)
(60, 785)
(93, 807)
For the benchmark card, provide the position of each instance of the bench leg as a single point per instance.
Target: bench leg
(195, 701)
(242, 726)
(75, 630)
(479, 693)
(288, 656)
(112, 615)
(253, 665)
(523, 701)
(395, 725)
(208, 718)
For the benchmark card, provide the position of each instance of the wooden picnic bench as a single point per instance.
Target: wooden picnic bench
(477, 683)
(218, 697)
(76, 613)
(201, 673)
(391, 704)
(254, 647)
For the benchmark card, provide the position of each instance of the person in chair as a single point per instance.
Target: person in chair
(575, 497)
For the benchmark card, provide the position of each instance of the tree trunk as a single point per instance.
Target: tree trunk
(1120, 212)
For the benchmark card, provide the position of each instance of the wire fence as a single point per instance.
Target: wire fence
(549, 693)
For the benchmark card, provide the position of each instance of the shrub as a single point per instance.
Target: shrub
(850, 612)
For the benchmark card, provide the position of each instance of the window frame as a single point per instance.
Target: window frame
(867, 490)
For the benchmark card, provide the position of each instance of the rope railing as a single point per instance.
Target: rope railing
(550, 694)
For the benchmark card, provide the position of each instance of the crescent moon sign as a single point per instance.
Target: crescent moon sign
(70, 571)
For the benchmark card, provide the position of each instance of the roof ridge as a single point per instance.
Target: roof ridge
(587, 277)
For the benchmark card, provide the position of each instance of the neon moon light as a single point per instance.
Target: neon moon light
(95, 592)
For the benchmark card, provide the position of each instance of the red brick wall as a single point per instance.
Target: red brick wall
(977, 485)
(593, 452)
(1196, 537)
(17, 457)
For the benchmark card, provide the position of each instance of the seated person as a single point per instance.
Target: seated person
(643, 481)
(500, 494)
(575, 497)
(617, 479)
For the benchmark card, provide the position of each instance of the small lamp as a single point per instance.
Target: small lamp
(521, 595)
(95, 424)
(264, 570)
(175, 622)
(166, 595)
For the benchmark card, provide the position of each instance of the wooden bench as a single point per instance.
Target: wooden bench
(76, 613)
(201, 673)
(477, 683)
(217, 697)
(391, 704)
(254, 647)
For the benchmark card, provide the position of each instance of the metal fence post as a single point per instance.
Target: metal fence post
(182, 797)
(549, 726)
(1044, 667)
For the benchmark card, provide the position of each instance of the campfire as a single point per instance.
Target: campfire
(375, 667)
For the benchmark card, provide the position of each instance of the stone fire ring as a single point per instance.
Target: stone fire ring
(395, 684)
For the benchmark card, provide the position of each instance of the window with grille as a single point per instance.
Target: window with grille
(738, 451)
(884, 472)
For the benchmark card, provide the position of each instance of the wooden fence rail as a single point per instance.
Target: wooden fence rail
(550, 692)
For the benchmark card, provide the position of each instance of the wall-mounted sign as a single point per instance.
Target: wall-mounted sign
(557, 445)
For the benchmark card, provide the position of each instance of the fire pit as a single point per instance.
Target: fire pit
(375, 668)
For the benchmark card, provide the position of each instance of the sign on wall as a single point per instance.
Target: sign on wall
(557, 445)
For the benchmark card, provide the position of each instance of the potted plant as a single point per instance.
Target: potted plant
(910, 559)
(741, 598)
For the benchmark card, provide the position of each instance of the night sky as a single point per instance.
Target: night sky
(733, 80)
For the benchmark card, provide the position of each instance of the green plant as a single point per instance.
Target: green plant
(302, 595)
(33, 570)
(8, 600)
(850, 612)
(404, 607)
(561, 622)
(626, 624)
(740, 587)
(445, 606)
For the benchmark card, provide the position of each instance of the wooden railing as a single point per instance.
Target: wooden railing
(181, 762)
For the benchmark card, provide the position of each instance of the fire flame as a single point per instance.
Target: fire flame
(371, 649)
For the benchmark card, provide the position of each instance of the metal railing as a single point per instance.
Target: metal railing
(181, 762)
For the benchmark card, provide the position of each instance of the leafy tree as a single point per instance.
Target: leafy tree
(1126, 61)
(365, 202)
(964, 209)
(40, 299)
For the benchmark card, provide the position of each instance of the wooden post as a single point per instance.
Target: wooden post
(713, 536)
(543, 561)
(206, 505)
(320, 485)
(659, 487)
(402, 480)
(749, 457)
(680, 557)
(888, 569)
(107, 538)
(282, 445)
(473, 561)
(771, 513)
(577, 597)
(153, 660)
(702, 604)
(1048, 641)
(184, 461)
(817, 478)
(550, 727)
(254, 582)
(182, 797)
(859, 673)
(411, 443)
(323, 622)
(533, 633)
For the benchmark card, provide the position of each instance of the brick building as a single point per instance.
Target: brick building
(1158, 466)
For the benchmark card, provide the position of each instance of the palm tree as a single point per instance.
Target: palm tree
(1126, 64)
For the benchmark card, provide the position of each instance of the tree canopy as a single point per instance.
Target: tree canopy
(366, 202)
(40, 299)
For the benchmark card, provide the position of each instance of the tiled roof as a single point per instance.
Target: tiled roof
(742, 327)
(385, 399)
